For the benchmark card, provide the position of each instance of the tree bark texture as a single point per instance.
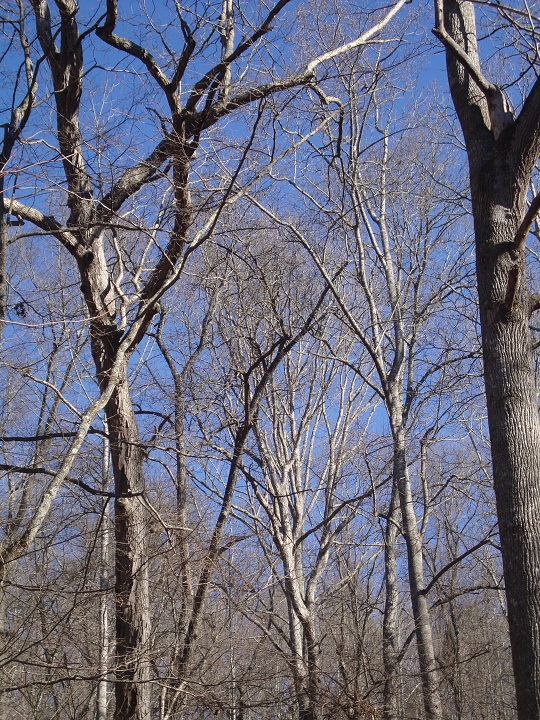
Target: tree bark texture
(514, 429)
(132, 689)
(104, 571)
(500, 166)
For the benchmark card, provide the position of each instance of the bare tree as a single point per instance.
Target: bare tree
(121, 308)
(219, 375)
(304, 493)
(391, 225)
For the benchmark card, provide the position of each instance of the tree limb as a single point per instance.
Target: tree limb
(50, 225)
(523, 230)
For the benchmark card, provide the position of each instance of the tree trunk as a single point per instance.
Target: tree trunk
(103, 669)
(302, 664)
(391, 605)
(5, 712)
(415, 561)
(456, 679)
(312, 655)
(132, 688)
(501, 160)
(182, 534)
(514, 428)
(299, 672)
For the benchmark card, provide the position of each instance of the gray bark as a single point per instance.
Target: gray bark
(132, 688)
(501, 160)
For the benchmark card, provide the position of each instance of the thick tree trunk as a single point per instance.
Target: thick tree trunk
(312, 655)
(298, 667)
(308, 709)
(302, 643)
(132, 610)
(501, 158)
(303, 664)
(514, 427)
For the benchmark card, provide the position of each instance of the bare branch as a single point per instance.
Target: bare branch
(133, 179)
(44, 471)
(50, 225)
(361, 40)
(526, 224)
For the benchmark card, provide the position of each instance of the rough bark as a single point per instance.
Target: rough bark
(500, 166)
(511, 394)
(132, 689)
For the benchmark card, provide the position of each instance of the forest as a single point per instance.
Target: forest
(269, 427)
